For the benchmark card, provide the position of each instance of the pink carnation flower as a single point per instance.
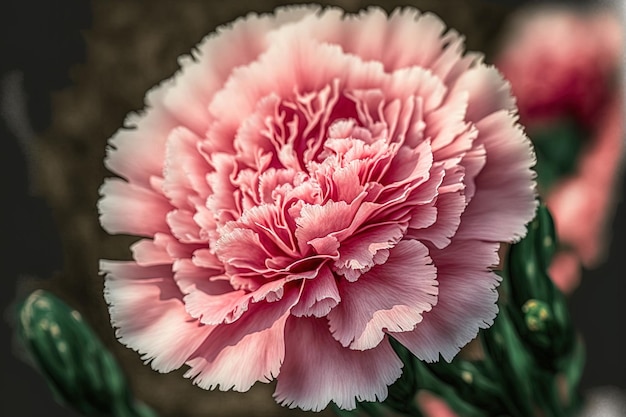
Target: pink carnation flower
(309, 185)
(562, 61)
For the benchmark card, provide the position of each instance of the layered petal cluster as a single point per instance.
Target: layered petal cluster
(309, 185)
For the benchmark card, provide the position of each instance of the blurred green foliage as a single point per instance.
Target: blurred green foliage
(81, 372)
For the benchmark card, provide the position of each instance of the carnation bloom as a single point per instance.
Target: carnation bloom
(309, 185)
(562, 61)
(565, 64)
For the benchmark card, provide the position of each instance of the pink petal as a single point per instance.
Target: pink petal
(391, 297)
(256, 357)
(372, 35)
(241, 248)
(340, 375)
(205, 72)
(466, 301)
(184, 227)
(488, 92)
(446, 123)
(360, 252)
(319, 295)
(505, 188)
(184, 174)
(449, 205)
(188, 275)
(319, 221)
(222, 200)
(147, 309)
(473, 161)
(147, 252)
(213, 301)
(123, 209)
(415, 81)
(251, 349)
(136, 151)
(410, 164)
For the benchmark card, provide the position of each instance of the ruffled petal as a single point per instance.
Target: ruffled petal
(256, 357)
(488, 92)
(319, 295)
(184, 174)
(362, 251)
(147, 309)
(237, 355)
(124, 205)
(136, 151)
(466, 301)
(341, 375)
(391, 297)
(504, 200)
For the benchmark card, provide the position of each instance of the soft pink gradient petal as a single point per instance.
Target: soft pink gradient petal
(341, 375)
(321, 221)
(188, 275)
(505, 188)
(147, 252)
(184, 227)
(124, 205)
(362, 251)
(256, 357)
(185, 170)
(251, 349)
(142, 139)
(319, 295)
(147, 308)
(450, 205)
(466, 301)
(488, 92)
(372, 35)
(215, 302)
(391, 297)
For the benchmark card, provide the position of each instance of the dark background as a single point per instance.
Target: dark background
(42, 43)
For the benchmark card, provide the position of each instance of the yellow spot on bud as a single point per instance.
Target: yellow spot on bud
(532, 323)
(467, 377)
(55, 330)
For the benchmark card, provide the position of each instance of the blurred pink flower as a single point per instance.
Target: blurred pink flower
(309, 184)
(433, 406)
(584, 203)
(562, 61)
(565, 63)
